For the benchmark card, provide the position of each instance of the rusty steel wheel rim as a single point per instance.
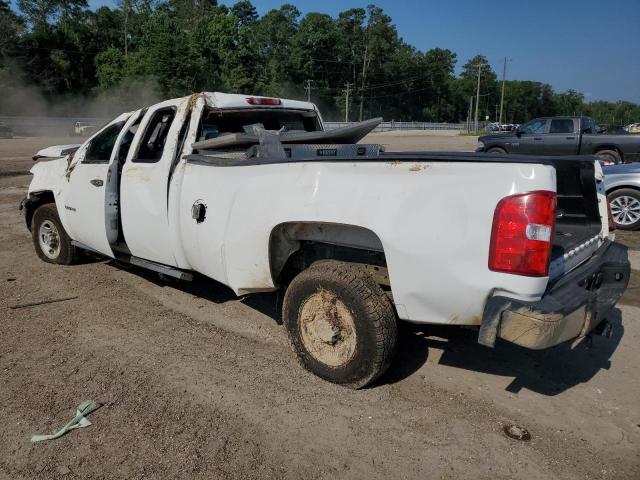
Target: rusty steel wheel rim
(327, 329)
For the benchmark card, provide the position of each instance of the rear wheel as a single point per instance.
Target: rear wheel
(609, 157)
(341, 324)
(625, 208)
(50, 240)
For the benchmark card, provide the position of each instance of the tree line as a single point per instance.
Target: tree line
(353, 66)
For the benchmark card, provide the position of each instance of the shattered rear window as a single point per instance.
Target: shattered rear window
(216, 122)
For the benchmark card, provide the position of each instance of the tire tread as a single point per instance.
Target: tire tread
(377, 307)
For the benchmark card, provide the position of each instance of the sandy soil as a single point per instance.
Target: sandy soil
(434, 141)
(196, 383)
(16, 153)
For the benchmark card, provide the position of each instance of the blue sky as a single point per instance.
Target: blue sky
(590, 45)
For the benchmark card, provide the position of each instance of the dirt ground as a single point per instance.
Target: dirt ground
(196, 383)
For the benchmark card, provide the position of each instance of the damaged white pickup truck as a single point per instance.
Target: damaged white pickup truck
(517, 246)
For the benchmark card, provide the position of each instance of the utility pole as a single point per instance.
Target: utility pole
(346, 108)
(479, 65)
(308, 89)
(504, 76)
(497, 112)
(469, 114)
(126, 7)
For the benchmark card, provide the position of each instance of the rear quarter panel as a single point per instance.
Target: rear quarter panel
(629, 144)
(433, 219)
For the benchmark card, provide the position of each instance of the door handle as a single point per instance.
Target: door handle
(537, 138)
(96, 182)
(570, 138)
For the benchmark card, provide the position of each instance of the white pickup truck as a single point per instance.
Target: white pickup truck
(517, 246)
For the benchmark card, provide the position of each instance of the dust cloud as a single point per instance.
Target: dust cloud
(30, 111)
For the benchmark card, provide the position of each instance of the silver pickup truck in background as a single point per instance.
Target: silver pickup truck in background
(250, 191)
(564, 136)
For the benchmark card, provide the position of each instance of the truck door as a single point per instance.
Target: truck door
(89, 206)
(562, 138)
(532, 138)
(145, 184)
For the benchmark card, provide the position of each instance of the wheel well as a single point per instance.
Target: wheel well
(622, 187)
(499, 147)
(34, 201)
(295, 246)
(600, 148)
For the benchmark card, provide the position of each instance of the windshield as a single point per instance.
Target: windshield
(217, 122)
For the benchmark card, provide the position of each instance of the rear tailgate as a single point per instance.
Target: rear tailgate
(581, 218)
(588, 272)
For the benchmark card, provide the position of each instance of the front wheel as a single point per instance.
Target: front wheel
(498, 150)
(341, 324)
(50, 240)
(625, 208)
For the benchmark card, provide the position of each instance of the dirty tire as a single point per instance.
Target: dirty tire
(352, 312)
(64, 253)
(498, 150)
(609, 156)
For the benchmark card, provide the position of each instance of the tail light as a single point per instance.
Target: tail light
(263, 101)
(522, 234)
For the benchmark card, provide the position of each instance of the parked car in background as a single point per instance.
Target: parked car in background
(83, 129)
(622, 184)
(5, 131)
(633, 128)
(613, 129)
(564, 136)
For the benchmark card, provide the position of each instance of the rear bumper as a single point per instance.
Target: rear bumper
(571, 308)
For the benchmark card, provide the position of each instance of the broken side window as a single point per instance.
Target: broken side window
(100, 147)
(152, 144)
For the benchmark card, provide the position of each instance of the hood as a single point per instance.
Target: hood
(621, 168)
(55, 151)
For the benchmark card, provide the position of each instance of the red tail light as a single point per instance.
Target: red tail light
(522, 234)
(263, 101)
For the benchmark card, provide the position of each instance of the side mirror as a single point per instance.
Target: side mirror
(518, 132)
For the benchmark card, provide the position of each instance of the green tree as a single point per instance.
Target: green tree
(273, 36)
(569, 103)
(12, 27)
(40, 13)
(60, 49)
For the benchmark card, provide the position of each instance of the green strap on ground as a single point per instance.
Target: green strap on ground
(79, 421)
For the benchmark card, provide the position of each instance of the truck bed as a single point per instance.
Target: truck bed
(578, 216)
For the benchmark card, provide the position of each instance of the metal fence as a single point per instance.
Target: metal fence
(36, 126)
(388, 126)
